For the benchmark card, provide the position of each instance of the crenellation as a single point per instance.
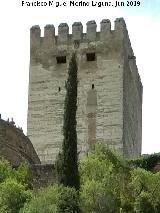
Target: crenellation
(105, 29)
(119, 24)
(49, 31)
(77, 31)
(91, 30)
(120, 29)
(63, 33)
(51, 41)
(36, 30)
(35, 35)
(49, 37)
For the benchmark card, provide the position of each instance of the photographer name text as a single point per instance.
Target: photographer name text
(80, 3)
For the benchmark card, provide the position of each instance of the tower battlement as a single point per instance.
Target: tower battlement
(63, 37)
(109, 103)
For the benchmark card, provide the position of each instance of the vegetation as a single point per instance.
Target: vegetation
(14, 191)
(108, 183)
(53, 199)
(147, 162)
(68, 165)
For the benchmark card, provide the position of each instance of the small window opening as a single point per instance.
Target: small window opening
(92, 86)
(61, 59)
(91, 56)
(20, 147)
(59, 89)
(76, 44)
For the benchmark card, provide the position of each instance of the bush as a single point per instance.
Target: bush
(143, 204)
(53, 199)
(20, 174)
(147, 162)
(101, 176)
(5, 170)
(94, 197)
(13, 195)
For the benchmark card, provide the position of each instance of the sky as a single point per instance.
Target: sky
(143, 24)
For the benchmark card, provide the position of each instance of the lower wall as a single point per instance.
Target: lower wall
(15, 146)
(42, 174)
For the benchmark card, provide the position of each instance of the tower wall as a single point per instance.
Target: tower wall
(132, 103)
(101, 64)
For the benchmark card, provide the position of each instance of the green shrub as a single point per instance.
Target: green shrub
(96, 198)
(13, 195)
(147, 162)
(143, 204)
(20, 174)
(53, 199)
(5, 170)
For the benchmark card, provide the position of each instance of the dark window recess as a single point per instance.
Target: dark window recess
(61, 59)
(91, 56)
(92, 86)
(59, 89)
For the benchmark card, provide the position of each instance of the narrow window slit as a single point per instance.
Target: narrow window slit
(59, 89)
(76, 44)
(92, 86)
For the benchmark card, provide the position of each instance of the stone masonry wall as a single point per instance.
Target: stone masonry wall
(132, 103)
(15, 146)
(42, 175)
(100, 88)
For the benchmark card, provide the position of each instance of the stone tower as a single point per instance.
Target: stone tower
(109, 90)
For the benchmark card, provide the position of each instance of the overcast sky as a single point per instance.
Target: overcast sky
(143, 23)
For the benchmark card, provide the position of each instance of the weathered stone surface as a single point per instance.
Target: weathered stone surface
(15, 146)
(42, 175)
(115, 114)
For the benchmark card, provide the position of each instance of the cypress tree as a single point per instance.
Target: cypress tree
(69, 166)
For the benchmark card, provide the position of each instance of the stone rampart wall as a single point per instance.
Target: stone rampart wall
(42, 175)
(15, 146)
